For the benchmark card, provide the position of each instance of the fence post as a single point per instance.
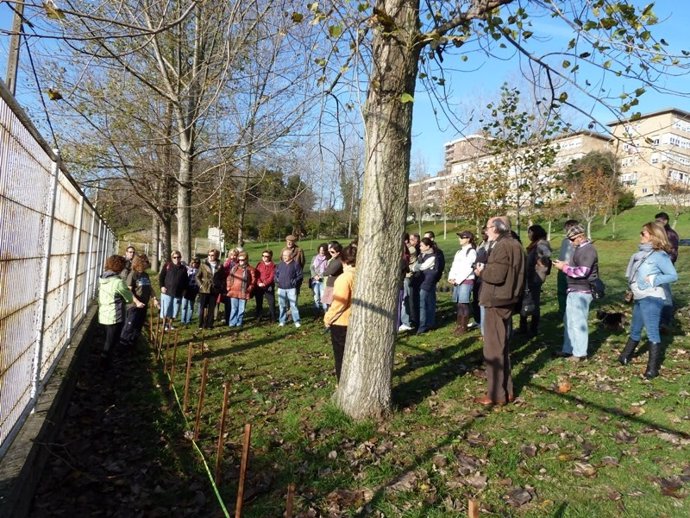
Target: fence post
(74, 273)
(89, 265)
(38, 352)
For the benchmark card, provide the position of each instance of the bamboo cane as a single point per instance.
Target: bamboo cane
(174, 359)
(221, 431)
(202, 390)
(472, 509)
(188, 375)
(290, 499)
(243, 469)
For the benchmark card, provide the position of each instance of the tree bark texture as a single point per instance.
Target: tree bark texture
(365, 385)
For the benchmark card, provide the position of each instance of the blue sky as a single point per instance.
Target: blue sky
(473, 89)
(478, 81)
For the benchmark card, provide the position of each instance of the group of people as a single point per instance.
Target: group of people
(490, 282)
(509, 281)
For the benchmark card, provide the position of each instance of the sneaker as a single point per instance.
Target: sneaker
(472, 325)
(297, 324)
(281, 324)
(404, 327)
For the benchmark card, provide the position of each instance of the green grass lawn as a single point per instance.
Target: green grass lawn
(613, 445)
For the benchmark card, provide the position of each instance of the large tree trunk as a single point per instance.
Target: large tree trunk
(184, 204)
(365, 384)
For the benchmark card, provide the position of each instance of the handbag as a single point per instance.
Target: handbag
(528, 306)
(598, 288)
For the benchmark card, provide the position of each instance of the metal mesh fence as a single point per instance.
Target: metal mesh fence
(52, 247)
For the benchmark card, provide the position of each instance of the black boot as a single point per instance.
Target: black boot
(627, 353)
(654, 361)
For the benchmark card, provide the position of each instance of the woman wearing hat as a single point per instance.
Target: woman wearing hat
(461, 277)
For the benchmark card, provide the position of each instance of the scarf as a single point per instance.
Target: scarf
(245, 275)
(319, 263)
(645, 250)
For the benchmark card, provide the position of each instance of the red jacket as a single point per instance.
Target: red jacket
(265, 273)
(240, 282)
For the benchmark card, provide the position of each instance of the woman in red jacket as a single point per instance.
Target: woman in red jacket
(265, 285)
(240, 284)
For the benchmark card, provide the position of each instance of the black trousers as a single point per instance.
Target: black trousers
(207, 307)
(112, 337)
(134, 321)
(259, 294)
(338, 336)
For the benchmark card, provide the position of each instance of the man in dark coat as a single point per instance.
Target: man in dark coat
(503, 279)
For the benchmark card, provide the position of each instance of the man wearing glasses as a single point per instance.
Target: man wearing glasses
(211, 280)
(503, 280)
(173, 281)
(129, 256)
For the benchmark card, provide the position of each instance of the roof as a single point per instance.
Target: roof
(677, 111)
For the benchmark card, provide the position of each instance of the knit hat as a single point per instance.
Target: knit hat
(575, 231)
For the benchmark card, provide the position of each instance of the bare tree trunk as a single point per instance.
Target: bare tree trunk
(184, 203)
(156, 234)
(365, 384)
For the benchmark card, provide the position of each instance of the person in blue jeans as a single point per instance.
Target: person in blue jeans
(288, 276)
(583, 268)
(649, 271)
(425, 279)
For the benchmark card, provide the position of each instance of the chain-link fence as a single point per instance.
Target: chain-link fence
(53, 244)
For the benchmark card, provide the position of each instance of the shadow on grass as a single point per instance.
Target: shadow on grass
(112, 451)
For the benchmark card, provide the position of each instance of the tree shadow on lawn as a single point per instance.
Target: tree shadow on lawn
(416, 390)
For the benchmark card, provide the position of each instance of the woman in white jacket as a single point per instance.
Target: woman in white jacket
(461, 277)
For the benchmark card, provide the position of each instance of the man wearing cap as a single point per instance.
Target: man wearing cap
(503, 280)
(583, 268)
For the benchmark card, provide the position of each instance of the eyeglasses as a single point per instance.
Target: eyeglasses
(333, 251)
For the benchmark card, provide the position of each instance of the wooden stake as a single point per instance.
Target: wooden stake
(290, 498)
(188, 375)
(202, 390)
(243, 469)
(221, 431)
(165, 353)
(472, 509)
(151, 316)
(174, 360)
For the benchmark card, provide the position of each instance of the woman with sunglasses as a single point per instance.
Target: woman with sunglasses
(649, 269)
(265, 285)
(333, 269)
(173, 281)
(240, 284)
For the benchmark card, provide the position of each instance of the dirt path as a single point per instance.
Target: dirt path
(111, 459)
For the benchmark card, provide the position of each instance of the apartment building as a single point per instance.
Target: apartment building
(653, 150)
(466, 155)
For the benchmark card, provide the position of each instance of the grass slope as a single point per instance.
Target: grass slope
(613, 445)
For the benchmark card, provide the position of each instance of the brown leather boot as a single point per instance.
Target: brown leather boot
(458, 320)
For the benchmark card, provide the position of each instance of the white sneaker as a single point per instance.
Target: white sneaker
(472, 325)
(404, 327)
(297, 324)
(281, 324)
